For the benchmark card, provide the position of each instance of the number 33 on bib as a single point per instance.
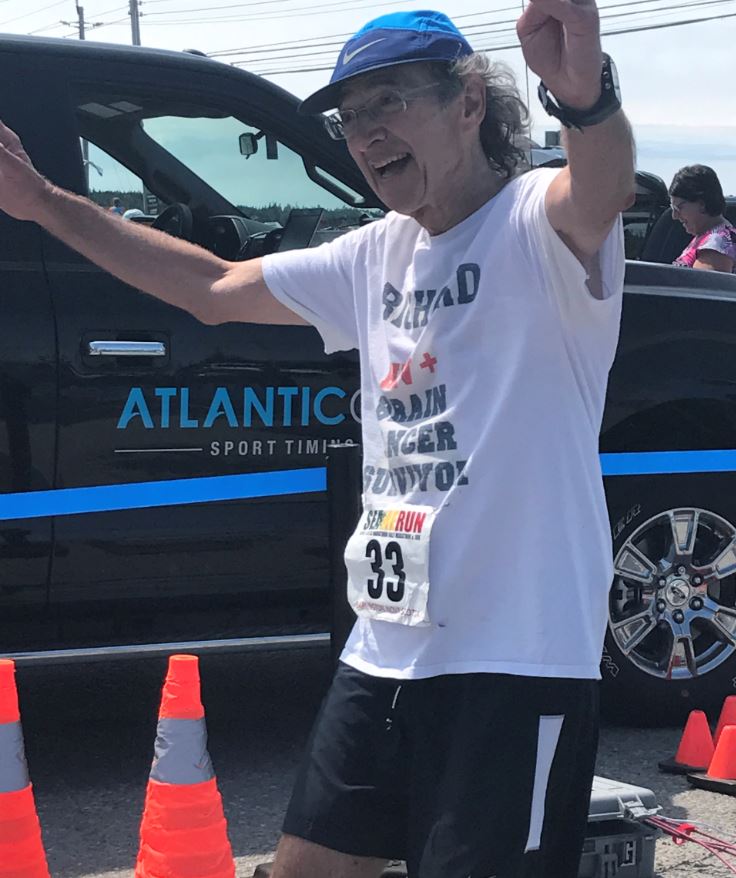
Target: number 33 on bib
(387, 559)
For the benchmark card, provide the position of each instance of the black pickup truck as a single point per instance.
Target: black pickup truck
(162, 481)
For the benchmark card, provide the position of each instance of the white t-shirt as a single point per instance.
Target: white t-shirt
(494, 359)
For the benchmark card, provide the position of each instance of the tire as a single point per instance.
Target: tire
(670, 645)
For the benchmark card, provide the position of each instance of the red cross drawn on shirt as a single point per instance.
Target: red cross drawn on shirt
(429, 362)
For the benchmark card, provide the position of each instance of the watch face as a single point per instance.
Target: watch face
(543, 96)
(614, 79)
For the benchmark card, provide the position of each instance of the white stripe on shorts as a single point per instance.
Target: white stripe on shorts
(548, 736)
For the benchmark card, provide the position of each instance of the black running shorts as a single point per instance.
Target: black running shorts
(462, 776)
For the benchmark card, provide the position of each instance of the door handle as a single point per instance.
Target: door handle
(126, 349)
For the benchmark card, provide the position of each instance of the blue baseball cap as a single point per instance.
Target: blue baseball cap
(396, 38)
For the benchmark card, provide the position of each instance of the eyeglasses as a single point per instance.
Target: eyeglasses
(344, 123)
(676, 208)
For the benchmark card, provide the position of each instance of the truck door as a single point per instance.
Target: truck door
(151, 397)
(27, 409)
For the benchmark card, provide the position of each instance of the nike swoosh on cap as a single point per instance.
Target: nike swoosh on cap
(348, 56)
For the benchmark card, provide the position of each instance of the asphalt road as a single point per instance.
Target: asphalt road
(90, 729)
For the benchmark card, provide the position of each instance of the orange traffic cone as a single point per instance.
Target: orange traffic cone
(696, 747)
(727, 717)
(183, 830)
(21, 849)
(721, 774)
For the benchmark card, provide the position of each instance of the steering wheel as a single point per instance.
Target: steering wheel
(175, 220)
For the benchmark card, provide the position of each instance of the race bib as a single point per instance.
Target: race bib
(387, 559)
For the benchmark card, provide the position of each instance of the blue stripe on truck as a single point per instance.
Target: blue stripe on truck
(174, 492)
(213, 489)
(648, 463)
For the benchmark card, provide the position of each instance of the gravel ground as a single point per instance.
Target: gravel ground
(632, 755)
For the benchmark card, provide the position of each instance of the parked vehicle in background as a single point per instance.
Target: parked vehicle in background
(128, 429)
(666, 238)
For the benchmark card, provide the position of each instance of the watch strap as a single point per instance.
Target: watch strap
(607, 104)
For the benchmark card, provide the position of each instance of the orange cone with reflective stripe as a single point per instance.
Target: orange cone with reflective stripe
(721, 774)
(183, 830)
(21, 849)
(727, 717)
(696, 747)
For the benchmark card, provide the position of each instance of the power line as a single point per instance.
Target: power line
(516, 45)
(146, 3)
(632, 30)
(83, 25)
(246, 49)
(288, 12)
(34, 12)
(371, 4)
(215, 8)
(306, 11)
(112, 23)
(329, 6)
(57, 24)
(46, 27)
(688, 4)
(276, 51)
(110, 11)
(89, 25)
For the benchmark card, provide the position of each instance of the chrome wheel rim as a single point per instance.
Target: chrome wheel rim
(672, 606)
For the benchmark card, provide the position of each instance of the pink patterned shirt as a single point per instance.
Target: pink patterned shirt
(721, 238)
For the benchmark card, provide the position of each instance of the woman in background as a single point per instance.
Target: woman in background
(697, 201)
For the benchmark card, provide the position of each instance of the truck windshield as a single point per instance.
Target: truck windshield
(142, 149)
(263, 188)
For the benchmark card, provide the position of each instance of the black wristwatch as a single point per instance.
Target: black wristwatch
(606, 105)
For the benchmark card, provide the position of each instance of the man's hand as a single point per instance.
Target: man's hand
(561, 43)
(22, 188)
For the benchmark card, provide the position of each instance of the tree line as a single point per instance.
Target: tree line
(336, 217)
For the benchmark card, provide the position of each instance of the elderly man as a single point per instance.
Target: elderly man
(460, 730)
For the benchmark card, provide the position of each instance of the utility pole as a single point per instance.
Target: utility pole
(135, 22)
(135, 27)
(80, 16)
(79, 23)
(85, 145)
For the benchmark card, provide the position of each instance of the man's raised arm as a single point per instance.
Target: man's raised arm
(210, 288)
(561, 44)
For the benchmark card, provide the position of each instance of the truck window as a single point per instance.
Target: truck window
(179, 151)
(107, 179)
(261, 187)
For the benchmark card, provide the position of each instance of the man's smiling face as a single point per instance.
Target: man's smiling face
(410, 155)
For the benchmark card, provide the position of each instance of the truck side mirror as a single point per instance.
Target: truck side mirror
(248, 145)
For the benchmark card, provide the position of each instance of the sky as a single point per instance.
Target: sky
(678, 83)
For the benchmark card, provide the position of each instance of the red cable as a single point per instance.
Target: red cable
(682, 832)
(688, 828)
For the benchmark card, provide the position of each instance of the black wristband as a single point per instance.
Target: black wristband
(606, 105)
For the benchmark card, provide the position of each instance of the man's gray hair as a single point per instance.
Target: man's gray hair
(507, 118)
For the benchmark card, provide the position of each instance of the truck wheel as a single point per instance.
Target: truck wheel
(671, 641)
